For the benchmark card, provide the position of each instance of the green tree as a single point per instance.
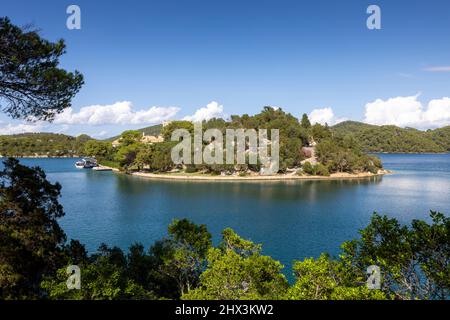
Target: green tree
(31, 84)
(305, 123)
(185, 257)
(308, 168)
(168, 129)
(129, 137)
(321, 170)
(320, 132)
(156, 157)
(161, 158)
(106, 276)
(414, 261)
(143, 157)
(237, 270)
(31, 241)
(126, 154)
(99, 149)
(326, 279)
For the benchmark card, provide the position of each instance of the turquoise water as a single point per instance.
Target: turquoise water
(292, 220)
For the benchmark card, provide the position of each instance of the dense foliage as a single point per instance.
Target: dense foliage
(344, 156)
(390, 138)
(441, 137)
(171, 267)
(237, 270)
(31, 241)
(34, 256)
(42, 144)
(31, 84)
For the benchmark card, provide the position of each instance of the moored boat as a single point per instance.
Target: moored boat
(86, 163)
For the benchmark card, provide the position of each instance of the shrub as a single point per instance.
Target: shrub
(321, 170)
(308, 168)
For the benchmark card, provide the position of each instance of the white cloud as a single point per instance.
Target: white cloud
(20, 128)
(438, 69)
(212, 110)
(117, 113)
(325, 115)
(409, 112)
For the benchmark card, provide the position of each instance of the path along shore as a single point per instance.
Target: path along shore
(278, 177)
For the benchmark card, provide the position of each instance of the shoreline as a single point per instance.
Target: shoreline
(334, 176)
(107, 167)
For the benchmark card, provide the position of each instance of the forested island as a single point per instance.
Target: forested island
(305, 149)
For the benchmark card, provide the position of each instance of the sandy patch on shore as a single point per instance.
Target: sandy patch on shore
(279, 177)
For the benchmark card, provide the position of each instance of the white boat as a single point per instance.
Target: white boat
(86, 163)
(79, 164)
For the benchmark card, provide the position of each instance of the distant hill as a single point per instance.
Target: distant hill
(391, 138)
(42, 144)
(149, 131)
(441, 136)
(371, 138)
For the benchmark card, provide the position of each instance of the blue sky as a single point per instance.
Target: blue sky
(298, 55)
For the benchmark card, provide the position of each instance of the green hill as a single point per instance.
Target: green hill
(149, 131)
(441, 137)
(371, 138)
(390, 138)
(42, 144)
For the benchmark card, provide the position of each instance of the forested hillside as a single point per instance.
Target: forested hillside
(42, 144)
(148, 131)
(441, 136)
(372, 138)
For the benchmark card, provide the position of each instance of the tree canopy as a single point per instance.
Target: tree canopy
(31, 240)
(32, 87)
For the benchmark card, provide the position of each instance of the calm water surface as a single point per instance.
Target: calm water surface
(292, 220)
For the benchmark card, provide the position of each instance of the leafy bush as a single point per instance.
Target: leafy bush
(308, 168)
(320, 170)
